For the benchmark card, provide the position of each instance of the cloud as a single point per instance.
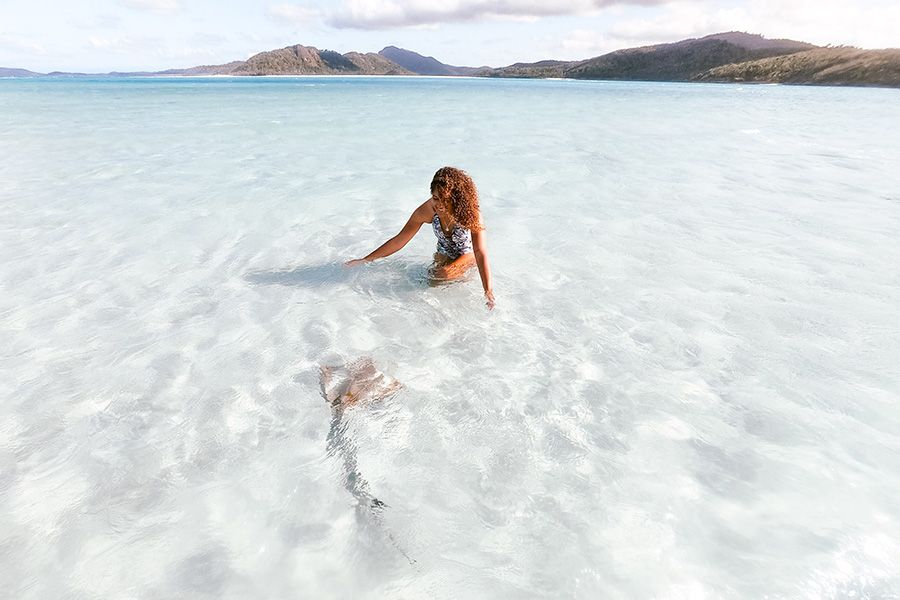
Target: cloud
(210, 39)
(158, 6)
(678, 21)
(21, 45)
(871, 24)
(583, 43)
(816, 21)
(116, 44)
(194, 53)
(154, 46)
(390, 14)
(296, 14)
(98, 21)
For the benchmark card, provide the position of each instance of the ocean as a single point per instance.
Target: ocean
(689, 387)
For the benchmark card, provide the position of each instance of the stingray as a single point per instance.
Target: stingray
(358, 383)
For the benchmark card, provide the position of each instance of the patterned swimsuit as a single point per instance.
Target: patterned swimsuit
(458, 243)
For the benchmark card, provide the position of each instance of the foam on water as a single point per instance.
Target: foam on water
(688, 389)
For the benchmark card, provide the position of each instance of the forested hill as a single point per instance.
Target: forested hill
(301, 60)
(678, 61)
(825, 66)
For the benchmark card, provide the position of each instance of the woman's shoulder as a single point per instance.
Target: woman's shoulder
(425, 211)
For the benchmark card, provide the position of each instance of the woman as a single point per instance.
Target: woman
(455, 217)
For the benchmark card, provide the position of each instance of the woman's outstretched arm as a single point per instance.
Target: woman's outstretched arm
(479, 244)
(419, 217)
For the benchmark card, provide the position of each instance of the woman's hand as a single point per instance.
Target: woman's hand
(489, 296)
(479, 246)
(355, 262)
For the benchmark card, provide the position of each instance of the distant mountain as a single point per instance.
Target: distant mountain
(423, 65)
(831, 66)
(4, 72)
(540, 69)
(292, 60)
(26, 73)
(306, 60)
(730, 56)
(678, 61)
(301, 60)
(371, 63)
(205, 69)
(681, 61)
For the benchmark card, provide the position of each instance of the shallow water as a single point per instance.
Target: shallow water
(689, 387)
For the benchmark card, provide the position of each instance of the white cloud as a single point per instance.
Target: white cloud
(21, 45)
(159, 6)
(678, 21)
(584, 43)
(116, 44)
(210, 39)
(673, 22)
(816, 21)
(153, 46)
(186, 53)
(871, 24)
(298, 15)
(387, 14)
(98, 21)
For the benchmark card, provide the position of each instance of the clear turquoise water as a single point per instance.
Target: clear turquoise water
(689, 387)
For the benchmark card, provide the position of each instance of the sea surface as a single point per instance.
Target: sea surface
(689, 387)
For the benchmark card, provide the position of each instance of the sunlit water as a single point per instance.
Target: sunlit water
(689, 387)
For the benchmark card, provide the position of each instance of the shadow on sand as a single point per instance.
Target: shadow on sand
(305, 276)
(391, 277)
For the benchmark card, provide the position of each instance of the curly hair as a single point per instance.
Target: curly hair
(454, 187)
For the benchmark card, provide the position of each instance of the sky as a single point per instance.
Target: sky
(132, 35)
